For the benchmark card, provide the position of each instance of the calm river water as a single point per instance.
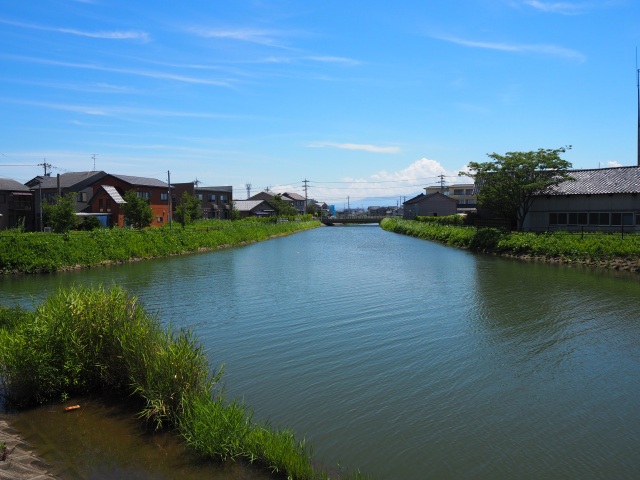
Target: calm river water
(408, 359)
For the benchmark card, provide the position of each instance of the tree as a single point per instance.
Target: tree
(137, 211)
(508, 185)
(188, 210)
(61, 215)
(282, 207)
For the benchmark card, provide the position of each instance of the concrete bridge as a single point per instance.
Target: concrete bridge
(351, 219)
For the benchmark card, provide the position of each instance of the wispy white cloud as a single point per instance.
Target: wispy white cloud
(126, 71)
(109, 111)
(269, 38)
(356, 146)
(336, 60)
(109, 35)
(552, 50)
(564, 8)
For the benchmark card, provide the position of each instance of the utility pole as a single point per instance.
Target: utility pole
(306, 197)
(441, 177)
(46, 166)
(169, 206)
(94, 160)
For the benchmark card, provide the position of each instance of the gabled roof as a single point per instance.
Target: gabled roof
(422, 196)
(600, 181)
(140, 181)
(248, 205)
(293, 196)
(13, 185)
(68, 180)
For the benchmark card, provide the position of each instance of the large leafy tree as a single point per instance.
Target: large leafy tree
(509, 184)
(188, 209)
(137, 211)
(61, 214)
(282, 207)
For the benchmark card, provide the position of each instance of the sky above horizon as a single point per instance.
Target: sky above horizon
(369, 102)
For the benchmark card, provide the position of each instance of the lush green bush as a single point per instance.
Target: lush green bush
(565, 245)
(88, 340)
(445, 220)
(47, 252)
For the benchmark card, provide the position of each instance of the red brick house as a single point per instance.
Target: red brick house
(109, 191)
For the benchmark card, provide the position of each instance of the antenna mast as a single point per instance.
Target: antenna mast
(638, 87)
(248, 187)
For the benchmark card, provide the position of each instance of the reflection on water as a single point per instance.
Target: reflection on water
(407, 358)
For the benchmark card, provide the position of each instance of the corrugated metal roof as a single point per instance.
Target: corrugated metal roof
(113, 193)
(246, 205)
(600, 181)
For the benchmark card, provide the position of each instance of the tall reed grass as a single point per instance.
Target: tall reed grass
(91, 340)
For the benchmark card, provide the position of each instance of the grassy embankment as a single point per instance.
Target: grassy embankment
(92, 340)
(595, 249)
(49, 252)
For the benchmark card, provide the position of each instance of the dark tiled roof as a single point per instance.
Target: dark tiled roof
(13, 185)
(600, 181)
(422, 196)
(67, 180)
(293, 196)
(141, 181)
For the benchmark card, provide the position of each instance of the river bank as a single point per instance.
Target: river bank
(598, 250)
(39, 252)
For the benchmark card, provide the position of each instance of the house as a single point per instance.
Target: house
(215, 201)
(463, 193)
(605, 199)
(46, 188)
(266, 196)
(299, 202)
(253, 208)
(16, 205)
(429, 205)
(109, 191)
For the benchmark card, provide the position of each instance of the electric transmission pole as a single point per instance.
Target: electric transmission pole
(248, 187)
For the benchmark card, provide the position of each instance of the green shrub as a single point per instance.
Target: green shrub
(87, 340)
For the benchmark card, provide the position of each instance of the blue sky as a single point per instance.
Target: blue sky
(366, 100)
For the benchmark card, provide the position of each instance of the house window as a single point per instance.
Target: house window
(212, 197)
(223, 198)
(627, 219)
(164, 196)
(573, 219)
(604, 219)
(3, 198)
(144, 195)
(100, 205)
(199, 195)
(468, 191)
(81, 197)
(593, 218)
(616, 219)
(108, 204)
(583, 218)
(159, 219)
(553, 219)
(562, 219)
(458, 191)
